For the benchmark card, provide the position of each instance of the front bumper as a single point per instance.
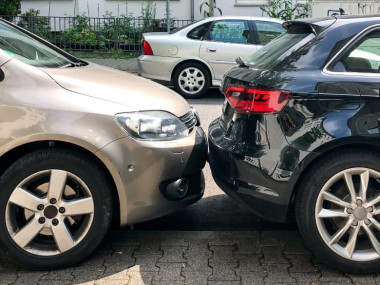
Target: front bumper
(251, 174)
(157, 67)
(144, 166)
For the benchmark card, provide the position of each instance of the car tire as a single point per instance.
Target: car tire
(55, 208)
(342, 231)
(191, 80)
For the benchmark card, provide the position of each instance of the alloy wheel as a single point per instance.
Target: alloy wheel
(191, 80)
(49, 212)
(347, 214)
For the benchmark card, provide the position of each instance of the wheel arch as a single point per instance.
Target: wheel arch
(195, 60)
(8, 157)
(341, 145)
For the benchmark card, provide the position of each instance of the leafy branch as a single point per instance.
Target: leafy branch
(208, 10)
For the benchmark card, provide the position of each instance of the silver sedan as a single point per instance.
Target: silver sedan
(195, 57)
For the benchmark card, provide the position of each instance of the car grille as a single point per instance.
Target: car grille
(190, 119)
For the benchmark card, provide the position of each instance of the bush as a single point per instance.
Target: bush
(36, 24)
(10, 8)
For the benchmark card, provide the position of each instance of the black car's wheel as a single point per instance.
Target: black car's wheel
(191, 80)
(55, 208)
(338, 211)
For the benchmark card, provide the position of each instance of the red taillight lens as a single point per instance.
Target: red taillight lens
(146, 48)
(251, 100)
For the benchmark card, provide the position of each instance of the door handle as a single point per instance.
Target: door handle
(211, 49)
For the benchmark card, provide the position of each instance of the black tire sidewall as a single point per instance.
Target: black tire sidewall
(201, 92)
(305, 209)
(89, 173)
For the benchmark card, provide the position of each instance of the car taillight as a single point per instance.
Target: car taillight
(146, 48)
(253, 100)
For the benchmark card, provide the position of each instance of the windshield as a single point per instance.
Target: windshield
(29, 50)
(271, 54)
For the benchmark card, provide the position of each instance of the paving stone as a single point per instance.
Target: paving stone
(224, 282)
(60, 274)
(301, 263)
(224, 272)
(197, 278)
(93, 263)
(140, 278)
(362, 279)
(247, 243)
(170, 282)
(273, 255)
(28, 277)
(54, 282)
(223, 254)
(145, 263)
(8, 275)
(122, 254)
(122, 238)
(174, 241)
(116, 272)
(221, 239)
(172, 254)
(111, 282)
(278, 273)
(249, 262)
(252, 278)
(170, 272)
(149, 246)
(293, 243)
(271, 238)
(306, 277)
(197, 256)
(331, 275)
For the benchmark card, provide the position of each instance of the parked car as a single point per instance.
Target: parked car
(196, 56)
(81, 144)
(299, 135)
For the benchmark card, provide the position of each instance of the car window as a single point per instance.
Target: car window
(268, 31)
(364, 56)
(199, 32)
(231, 31)
(29, 50)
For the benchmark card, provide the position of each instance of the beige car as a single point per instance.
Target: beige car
(82, 144)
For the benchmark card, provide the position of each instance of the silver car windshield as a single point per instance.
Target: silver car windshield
(29, 50)
(269, 55)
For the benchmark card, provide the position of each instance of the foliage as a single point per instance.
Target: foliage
(208, 10)
(10, 7)
(32, 21)
(284, 9)
(148, 13)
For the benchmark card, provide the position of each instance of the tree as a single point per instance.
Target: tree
(10, 7)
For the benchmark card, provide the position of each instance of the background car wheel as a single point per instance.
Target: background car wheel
(55, 208)
(191, 80)
(338, 211)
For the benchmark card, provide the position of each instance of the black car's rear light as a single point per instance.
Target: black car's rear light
(253, 100)
(146, 48)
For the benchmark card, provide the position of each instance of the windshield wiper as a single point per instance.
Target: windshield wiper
(73, 64)
(240, 61)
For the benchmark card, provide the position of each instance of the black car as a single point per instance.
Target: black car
(299, 136)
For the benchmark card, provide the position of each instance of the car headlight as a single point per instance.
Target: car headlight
(152, 125)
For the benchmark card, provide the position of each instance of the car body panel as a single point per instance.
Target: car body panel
(327, 111)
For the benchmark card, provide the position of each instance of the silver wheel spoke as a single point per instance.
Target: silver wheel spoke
(25, 199)
(62, 237)
(57, 184)
(78, 207)
(338, 235)
(376, 212)
(374, 201)
(325, 213)
(350, 186)
(25, 235)
(364, 179)
(375, 243)
(375, 223)
(351, 244)
(334, 199)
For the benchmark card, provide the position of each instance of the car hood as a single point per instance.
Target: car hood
(120, 87)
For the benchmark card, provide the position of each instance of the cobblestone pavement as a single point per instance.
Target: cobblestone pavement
(174, 257)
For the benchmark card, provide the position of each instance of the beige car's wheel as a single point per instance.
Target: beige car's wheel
(191, 80)
(55, 208)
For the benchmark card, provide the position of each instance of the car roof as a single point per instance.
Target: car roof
(245, 18)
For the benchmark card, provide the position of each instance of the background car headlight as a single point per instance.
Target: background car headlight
(152, 125)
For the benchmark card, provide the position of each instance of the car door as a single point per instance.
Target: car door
(227, 40)
(266, 31)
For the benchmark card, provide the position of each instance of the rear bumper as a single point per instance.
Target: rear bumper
(255, 179)
(157, 67)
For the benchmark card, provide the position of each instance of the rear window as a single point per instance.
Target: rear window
(271, 54)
